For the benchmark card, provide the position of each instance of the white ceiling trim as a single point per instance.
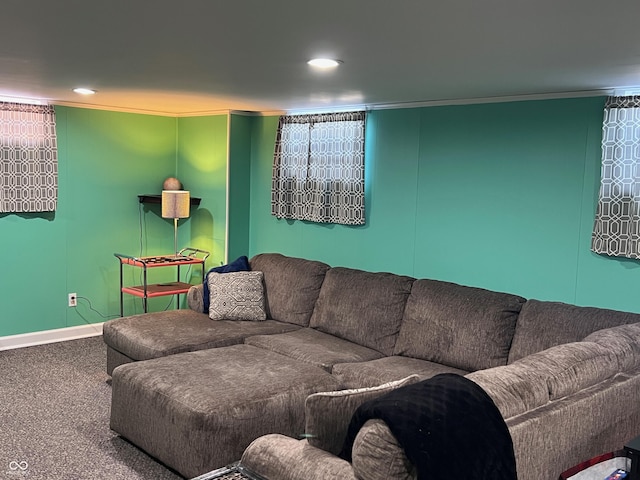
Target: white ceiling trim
(385, 106)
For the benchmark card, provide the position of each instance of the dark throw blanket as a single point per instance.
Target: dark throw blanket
(448, 427)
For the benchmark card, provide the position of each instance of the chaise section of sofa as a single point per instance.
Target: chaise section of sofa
(155, 335)
(291, 288)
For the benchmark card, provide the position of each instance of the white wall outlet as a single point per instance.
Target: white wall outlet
(73, 300)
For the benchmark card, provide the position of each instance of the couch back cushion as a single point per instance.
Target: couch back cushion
(542, 325)
(291, 286)
(462, 327)
(571, 367)
(362, 307)
(548, 375)
(623, 341)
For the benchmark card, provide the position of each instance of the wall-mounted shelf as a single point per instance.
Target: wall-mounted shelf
(158, 199)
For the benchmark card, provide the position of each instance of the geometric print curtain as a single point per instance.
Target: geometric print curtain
(28, 158)
(318, 168)
(616, 229)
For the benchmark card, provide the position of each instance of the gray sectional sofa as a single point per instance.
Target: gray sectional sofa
(197, 393)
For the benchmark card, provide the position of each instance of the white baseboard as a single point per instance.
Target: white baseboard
(50, 336)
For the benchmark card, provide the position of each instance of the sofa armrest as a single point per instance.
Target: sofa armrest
(195, 300)
(285, 458)
(377, 455)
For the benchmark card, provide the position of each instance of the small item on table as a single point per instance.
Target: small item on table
(618, 474)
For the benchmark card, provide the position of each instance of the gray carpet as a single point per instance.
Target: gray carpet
(54, 417)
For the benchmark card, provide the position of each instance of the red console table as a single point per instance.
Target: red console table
(186, 256)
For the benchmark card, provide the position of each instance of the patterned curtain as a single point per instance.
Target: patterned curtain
(318, 168)
(28, 158)
(616, 229)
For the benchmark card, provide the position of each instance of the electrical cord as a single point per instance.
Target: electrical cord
(141, 227)
(140, 222)
(168, 304)
(92, 309)
(176, 297)
(107, 317)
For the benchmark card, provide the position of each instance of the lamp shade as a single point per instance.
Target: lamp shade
(175, 204)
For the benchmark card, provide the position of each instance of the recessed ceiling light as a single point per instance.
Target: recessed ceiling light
(324, 62)
(84, 91)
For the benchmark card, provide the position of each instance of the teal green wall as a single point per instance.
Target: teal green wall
(202, 168)
(105, 160)
(109, 159)
(239, 185)
(500, 196)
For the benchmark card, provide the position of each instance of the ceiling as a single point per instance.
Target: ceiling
(199, 56)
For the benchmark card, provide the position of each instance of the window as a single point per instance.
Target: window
(28, 158)
(616, 229)
(318, 168)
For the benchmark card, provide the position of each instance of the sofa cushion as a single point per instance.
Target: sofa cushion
(373, 442)
(544, 376)
(291, 286)
(387, 369)
(571, 367)
(154, 335)
(317, 348)
(327, 414)
(463, 327)
(362, 307)
(623, 342)
(545, 324)
(236, 296)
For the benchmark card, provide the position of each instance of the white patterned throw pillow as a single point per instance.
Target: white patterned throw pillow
(236, 296)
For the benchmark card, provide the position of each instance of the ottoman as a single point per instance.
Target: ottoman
(198, 411)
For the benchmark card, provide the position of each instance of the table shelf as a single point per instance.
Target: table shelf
(186, 256)
(158, 289)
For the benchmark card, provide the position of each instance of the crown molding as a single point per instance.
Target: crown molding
(498, 99)
(94, 106)
(200, 113)
(345, 108)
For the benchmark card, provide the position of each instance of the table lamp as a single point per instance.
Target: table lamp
(175, 204)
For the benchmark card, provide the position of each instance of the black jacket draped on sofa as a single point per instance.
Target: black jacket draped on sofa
(448, 427)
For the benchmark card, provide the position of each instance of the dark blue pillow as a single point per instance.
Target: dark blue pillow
(240, 264)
